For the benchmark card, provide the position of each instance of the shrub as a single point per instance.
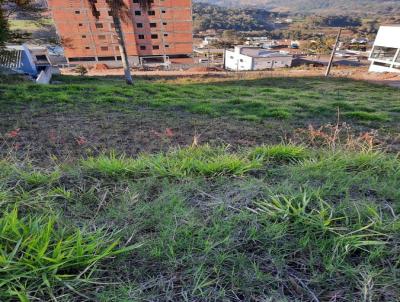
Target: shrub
(82, 70)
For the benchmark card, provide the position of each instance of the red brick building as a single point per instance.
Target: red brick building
(165, 29)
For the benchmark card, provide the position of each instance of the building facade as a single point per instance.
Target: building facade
(385, 54)
(163, 32)
(255, 58)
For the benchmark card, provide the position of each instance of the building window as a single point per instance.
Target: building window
(142, 47)
(106, 58)
(383, 53)
(80, 24)
(138, 13)
(164, 23)
(102, 37)
(77, 12)
(41, 58)
(156, 47)
(151, 13)
(166, 46)
(241, 60)
(153, 25)
(83, 36)
(104, 48)
(141, 37)
(165, 35)
(163, 11)
(110, 13)
(154, 36)
(99, 25)
(382, 64)
(79, 59)
(139, 25)
(87, 47)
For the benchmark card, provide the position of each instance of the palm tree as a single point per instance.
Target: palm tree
(119, 11)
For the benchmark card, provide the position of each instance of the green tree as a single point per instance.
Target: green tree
(4, 30)
(9, 7)
(120, 13)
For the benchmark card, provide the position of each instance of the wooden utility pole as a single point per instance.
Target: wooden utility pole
(328, 69)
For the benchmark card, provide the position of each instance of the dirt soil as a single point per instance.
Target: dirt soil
(355, 73)
(43, 136)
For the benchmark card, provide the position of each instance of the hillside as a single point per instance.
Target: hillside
(320, 6)
(182, 190)
(208, 16)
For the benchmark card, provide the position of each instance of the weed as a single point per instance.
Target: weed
(177, 163)
(40, 257)
(279, 153)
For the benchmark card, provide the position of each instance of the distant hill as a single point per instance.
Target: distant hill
(320, 6)
(208, 16)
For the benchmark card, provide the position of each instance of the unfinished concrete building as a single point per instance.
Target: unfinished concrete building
(161, 33)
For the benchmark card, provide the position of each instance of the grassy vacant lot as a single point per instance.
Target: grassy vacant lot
(254, 221)
(109, 114)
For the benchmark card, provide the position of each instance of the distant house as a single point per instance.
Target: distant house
(385, 55)
(360, 41)
(255, 58)
(24, 59)
(208, 41)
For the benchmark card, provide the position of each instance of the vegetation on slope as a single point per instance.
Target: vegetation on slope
(273, 222)
(240, 19)
(321, 6)
(98, 221)
(82, 116)
(298, 99)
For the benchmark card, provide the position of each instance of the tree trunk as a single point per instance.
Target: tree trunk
(122, 49)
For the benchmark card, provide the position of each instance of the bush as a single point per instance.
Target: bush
(82, 70)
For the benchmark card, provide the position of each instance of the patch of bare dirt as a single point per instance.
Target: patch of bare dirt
(355, 73)
(100, 67)
(43, 136)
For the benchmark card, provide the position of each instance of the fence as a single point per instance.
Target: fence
(11, 59)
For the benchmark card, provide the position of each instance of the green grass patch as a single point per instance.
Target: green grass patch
(203, 161)
(40, 258)
(252, 100)
(220, 223)
(367, 116)
(279, 153)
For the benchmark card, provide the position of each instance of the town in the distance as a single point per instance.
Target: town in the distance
(181, 37)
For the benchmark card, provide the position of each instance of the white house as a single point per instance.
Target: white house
(255, 58)
(385, 55)
(208, 41)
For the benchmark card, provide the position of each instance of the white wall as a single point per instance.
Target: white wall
(377, 68)
(272, 62)
(44, 76)
(237, 61)
(388, 36)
